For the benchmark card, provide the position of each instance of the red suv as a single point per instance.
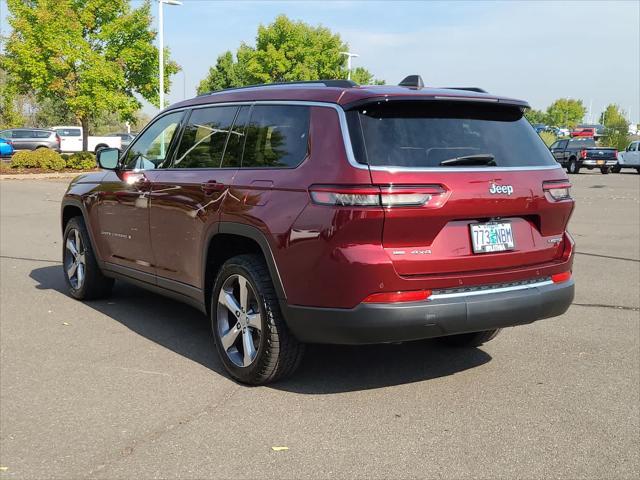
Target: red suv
(332, 213)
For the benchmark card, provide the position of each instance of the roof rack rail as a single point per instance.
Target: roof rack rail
(310, 83)
(470, 89)
(412, 81)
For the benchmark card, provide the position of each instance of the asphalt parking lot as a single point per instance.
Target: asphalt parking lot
(132, 388)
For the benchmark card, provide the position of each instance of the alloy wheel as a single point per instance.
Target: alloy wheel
(74, 259)
(239, 321)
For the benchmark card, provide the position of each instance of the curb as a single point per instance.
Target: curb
(39, 176)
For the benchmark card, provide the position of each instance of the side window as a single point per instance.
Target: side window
(554, 145)
(634, 147)
(563, 143)
(235, 144)
(151, 149)
(277, 136)
(204, 138)
(6, 134)
(42, 134)
(23, 134)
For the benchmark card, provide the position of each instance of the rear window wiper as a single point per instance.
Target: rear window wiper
(480, 159)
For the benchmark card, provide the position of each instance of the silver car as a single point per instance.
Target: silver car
(32, 138)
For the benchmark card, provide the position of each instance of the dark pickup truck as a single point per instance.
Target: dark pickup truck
(583, 152)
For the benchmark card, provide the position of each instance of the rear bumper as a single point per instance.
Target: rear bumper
(594, 163)
(441, 316)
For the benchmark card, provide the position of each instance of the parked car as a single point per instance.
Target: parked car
(540, 127)
(327, 212)
(32, 138)
(72, 137)
(576, 153)
(630, 158)
(6, 148)
(125, 138)
(564, 132)
(598, 129)
(583, 132)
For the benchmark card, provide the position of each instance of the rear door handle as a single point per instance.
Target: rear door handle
(210, 187)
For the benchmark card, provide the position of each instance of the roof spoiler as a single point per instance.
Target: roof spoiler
(412, 81)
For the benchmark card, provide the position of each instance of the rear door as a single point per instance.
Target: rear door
(187, 197)
(477, 172)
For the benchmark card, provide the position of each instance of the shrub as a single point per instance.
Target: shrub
(548, 138)
(81, 161)
(40, 158)
(23, 159)
(65, 156)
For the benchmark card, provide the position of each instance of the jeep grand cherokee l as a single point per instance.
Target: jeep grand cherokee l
(332, 213)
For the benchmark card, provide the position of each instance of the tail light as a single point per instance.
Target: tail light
(58, 139)
(396, 297)
(561, 277)
(615, 153)
(557, 190)
(388, 196)
(583, 154)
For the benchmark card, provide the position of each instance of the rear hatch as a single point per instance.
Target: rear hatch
(488, 194)
(598, 153)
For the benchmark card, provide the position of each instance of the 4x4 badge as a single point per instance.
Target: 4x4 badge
(495, 189)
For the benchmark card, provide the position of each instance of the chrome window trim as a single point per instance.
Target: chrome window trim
(347, 139)
(442, 296)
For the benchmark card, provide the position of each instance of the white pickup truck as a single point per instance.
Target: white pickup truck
(630, 158)
(71, 140)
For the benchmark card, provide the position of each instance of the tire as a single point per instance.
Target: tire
(474, 339)
(251, 335)
(638, 170)
(605, 170)
(85, 280)
(616, 169)
(573, 167)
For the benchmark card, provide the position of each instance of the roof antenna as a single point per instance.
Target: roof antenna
(412, 81)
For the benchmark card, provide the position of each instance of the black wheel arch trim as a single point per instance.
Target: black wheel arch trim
(256, 235)
(73, 202)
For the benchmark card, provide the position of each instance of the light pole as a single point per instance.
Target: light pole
(161, 45)
(349, 57)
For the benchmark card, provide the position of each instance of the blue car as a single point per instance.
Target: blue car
(6, 148)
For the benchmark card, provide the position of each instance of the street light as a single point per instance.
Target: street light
(349, 57)
(161, 45)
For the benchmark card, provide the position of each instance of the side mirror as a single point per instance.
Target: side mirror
(108, 158)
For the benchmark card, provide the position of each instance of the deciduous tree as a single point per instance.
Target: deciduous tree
(284, 51)
(93, 56)
(565, 112)
(616, 127)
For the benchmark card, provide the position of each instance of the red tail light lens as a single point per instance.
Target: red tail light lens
(378, 196)
(561, 277)
(58, 139)
(583, 154)
(557, 190)
(615, 152)
(396, 297)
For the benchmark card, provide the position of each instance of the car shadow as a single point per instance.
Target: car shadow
(325, 369)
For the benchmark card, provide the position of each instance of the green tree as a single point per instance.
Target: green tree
(10, 114)
(535, 116)
(565, 112)
(284, 51)
(616, 132)
(92, 56)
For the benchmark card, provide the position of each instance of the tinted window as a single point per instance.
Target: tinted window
(6, 134)
(23, 134)
(555, 145)
(563, 144)
(68, 132)
(42, 134)
(582, 143)
(277, 136)
(204, 138)
(150, 150)
(235, 144)
(424, 134)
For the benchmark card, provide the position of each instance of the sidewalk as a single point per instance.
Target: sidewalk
(40, 176)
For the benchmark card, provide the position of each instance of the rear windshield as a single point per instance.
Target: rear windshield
(581, 143)
(425, 134)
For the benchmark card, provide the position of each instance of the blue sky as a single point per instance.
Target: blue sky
(534, 50)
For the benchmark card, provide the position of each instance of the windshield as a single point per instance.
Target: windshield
(582, 143)
(432, 134)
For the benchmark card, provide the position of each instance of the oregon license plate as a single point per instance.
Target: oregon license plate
(492, 237)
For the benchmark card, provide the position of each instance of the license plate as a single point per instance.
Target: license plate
(492, 237)
(600, 162)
